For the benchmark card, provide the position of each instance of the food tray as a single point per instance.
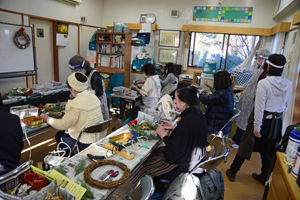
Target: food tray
(32, 121)
(122, 138)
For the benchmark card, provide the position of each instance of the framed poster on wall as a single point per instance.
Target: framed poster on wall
(167, 55)
(169, 38)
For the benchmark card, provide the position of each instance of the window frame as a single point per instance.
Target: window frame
(223, 44)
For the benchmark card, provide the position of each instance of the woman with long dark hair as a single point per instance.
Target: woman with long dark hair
(171, 81)
(220, 103)
(185, 145)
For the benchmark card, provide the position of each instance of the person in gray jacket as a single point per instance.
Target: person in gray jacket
(246, 103)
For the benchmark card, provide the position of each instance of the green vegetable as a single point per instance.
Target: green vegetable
(80, 167)
(135, 129)
(88, 194)
(4, 96)
(61, 169)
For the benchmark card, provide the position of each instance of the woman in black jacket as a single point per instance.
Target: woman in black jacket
(11, 140)
(184, 146)
(220, 103)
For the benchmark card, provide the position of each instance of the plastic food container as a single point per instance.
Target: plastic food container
(24, 111)
(32, 121)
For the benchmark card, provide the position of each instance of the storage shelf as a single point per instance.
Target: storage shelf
(117, 54)
(119, 43)
(103, 42)
(104, 53)
(116, 59)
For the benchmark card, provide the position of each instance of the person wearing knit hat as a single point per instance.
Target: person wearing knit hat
(83, 110)
(78, 64)
(272, 98)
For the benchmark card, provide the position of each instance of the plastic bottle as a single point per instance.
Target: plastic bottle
(154, 62)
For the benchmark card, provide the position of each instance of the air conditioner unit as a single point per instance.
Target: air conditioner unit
(174, 13)
(76, 2)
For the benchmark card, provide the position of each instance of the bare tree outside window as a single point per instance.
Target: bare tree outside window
(215, 47)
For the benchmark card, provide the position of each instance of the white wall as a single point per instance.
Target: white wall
(54, 9)
(44, 57)
(65, 53)
(129, 11)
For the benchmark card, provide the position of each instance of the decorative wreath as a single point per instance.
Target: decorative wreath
(21, 33)
(105, 184)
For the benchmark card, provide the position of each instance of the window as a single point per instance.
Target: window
(228, 50)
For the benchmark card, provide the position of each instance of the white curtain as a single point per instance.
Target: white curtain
(293, 77)
(277, 43)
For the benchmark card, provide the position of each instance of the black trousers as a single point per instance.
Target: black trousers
(238, 135)
(61, 136)
(134, 112)
(266, 146)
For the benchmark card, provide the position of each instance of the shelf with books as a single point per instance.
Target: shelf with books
(114, 56)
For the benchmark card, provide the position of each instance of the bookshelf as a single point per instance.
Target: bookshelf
(114, 54)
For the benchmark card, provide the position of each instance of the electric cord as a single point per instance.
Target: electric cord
(25, 132)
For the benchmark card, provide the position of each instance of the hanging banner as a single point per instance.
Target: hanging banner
(223, 14)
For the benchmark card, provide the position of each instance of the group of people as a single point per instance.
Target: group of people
(262, 104)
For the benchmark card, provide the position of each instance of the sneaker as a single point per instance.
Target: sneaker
(230, 175)
(230, 140)
(235, 146)
(157, 195)
(260, 178)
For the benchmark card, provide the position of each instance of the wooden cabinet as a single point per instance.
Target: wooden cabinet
(283, 185)
(114, 54)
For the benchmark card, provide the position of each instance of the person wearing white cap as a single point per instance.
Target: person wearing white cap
(78, 64)
(82, 111)
(246, 103)
(272, 98)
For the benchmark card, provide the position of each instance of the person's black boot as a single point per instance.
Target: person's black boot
(260, 178)
(230, 175)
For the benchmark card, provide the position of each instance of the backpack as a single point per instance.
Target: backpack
(284, 141)
(210, 186)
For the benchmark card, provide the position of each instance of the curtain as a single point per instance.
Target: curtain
(293, 77)
(277, 43)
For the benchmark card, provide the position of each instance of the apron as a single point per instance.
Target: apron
(247, 145)
(169, 88)
(103, 99)
(150, 102)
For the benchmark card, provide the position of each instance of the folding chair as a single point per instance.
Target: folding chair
(212, 162)
(191, 186)
(235, 113)
(147, 188)
(92, 129)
